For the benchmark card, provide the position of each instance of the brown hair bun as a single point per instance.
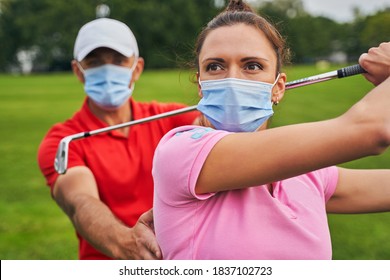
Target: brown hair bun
(238, 6)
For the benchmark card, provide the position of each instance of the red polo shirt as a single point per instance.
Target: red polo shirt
(121, 165)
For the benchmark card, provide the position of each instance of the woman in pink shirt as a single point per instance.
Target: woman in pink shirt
(232, 189)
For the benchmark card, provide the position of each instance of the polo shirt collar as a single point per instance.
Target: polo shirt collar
(91, 122)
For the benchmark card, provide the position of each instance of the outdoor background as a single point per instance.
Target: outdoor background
(37, 90)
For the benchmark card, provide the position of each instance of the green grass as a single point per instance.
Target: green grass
(33, 227)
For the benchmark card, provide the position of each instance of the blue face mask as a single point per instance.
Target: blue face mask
(236, 105)
(108, 85)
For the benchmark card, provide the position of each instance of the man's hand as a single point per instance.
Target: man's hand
(145, 238)
(77, 194)
(142, 243)
(377, 63)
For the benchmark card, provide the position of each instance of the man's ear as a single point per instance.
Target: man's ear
(76, 70)
(139, 68)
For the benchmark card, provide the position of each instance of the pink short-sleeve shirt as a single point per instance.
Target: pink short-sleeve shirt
(251, 223)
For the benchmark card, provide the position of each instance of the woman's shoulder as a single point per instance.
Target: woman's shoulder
(179, 158)
(187, 142)
(190, 134)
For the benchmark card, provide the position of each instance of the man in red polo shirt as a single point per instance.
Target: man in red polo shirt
(108, 185)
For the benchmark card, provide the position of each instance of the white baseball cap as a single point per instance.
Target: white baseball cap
(105, 32)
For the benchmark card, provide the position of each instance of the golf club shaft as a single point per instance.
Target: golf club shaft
(341, 73)
(61, 160)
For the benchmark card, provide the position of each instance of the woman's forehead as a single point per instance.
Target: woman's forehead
(239, 39)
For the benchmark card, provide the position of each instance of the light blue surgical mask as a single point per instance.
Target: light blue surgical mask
(236, 105)
(108, 85)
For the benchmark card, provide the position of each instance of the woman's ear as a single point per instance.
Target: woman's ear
(279, 88)
(199, 88)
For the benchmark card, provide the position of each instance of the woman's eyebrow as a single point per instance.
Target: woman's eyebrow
(218, 59)
(253, 58)
(213, 59)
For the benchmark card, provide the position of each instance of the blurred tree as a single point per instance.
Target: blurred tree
(366, 32)
(308, 37)
(283, 8)
(166, 30)
(352, 44)
(9, 36)
(46, 29)
(376, 30)
(313, 38)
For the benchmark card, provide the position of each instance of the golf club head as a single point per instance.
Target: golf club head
(61, 160)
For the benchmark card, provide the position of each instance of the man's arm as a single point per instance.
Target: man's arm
(77, 194)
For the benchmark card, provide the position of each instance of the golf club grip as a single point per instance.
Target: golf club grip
(350, 71)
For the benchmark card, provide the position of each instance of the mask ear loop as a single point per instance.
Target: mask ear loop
(80, 67)
(134, 64)
(199, 82)
(132, 70)
(277, 98)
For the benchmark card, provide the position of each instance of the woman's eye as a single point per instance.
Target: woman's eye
(254, 66)
(213, 67)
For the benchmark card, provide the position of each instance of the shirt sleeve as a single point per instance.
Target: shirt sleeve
(47, 152)
(331, 176)
(178, 161)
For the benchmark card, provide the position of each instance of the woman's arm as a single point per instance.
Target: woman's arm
(248, 159)
(361, 191)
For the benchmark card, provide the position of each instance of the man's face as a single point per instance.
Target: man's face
(101, 56)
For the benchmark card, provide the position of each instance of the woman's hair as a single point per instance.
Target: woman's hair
(237, 12)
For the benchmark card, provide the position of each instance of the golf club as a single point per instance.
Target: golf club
(61, 160)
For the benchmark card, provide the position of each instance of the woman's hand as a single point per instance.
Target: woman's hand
(377, 63)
